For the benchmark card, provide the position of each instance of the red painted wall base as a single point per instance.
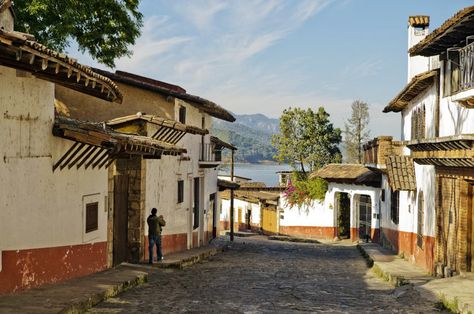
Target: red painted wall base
(309, 231)
(24, 269)
(406, 243)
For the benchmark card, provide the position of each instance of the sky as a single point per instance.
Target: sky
(262, 56)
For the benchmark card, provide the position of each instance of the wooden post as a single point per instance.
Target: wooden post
(232, 196)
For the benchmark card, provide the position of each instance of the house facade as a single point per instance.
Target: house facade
(55, 199)
(183, 188)
(437, 129)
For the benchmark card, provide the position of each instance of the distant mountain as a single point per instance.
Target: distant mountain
(251, 134)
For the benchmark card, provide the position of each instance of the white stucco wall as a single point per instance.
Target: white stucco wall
(353, 191)
(317, 214)
(40, 208)
(428, 99)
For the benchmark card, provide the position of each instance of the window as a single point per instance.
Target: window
(182, 114)
(421, 211)
(394, 208)
(418, 118)
(180, 191)
(451, 73)
(382, 197)
(92, 217)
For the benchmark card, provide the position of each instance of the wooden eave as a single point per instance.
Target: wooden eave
(94, 139)
(20, 51)
(225, 184)
(451, 151)
(417, 85)
(220, 143)
(452, 33)
(263, 189)
(205, 105)
(168, 131)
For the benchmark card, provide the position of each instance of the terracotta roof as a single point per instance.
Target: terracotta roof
(451, 33)
(254, 184)
(419, 20)
(226, 184)
(175, 91)
(401, 173)
(172, 124)
(417, 85)
(349, 173)
(21, 51)
(252, 196)
(117, 144)
(218, 142)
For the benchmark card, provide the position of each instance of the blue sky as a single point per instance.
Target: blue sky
(261, 56)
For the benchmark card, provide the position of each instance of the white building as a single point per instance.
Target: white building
(183, 189)
(54, 200)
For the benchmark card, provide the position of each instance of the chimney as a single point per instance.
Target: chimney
(417, 31)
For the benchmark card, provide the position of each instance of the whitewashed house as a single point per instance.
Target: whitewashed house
(183, 189)
(435, 219)
(54, 200)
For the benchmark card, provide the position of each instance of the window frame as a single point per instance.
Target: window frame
(180, 187)
(91, 210)
(395, 207)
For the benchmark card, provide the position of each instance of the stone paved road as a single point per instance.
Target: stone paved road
(260, 276)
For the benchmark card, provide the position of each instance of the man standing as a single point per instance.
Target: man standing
(154, 234)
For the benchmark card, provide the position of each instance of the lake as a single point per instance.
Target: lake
(259, 172)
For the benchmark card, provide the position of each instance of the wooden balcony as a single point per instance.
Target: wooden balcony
(209, 156)
(466, 62)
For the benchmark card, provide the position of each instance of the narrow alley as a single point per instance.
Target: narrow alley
(257, 275)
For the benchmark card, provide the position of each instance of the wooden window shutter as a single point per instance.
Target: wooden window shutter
(92, 217)
(421, 213)
(394, 211)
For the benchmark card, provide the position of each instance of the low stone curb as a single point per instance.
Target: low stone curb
(189, 261)
(292, 239)
(242, 234)
(395, 280)
(84, 305)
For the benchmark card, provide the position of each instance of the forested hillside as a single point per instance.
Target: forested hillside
(251, 134)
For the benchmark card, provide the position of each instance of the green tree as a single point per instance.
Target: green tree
(103, 28)
(356, 132)
(307, 139)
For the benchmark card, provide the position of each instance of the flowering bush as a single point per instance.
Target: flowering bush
(302, 191)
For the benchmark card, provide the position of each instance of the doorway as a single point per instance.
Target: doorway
(213, 206)
(365, 217)
(120, 231)
(343, 214)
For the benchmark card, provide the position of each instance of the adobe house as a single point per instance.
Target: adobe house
(184, 188)
(55, 200)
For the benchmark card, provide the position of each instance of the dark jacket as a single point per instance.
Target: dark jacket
(154, 224)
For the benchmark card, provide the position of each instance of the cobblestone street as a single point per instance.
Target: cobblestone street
(260, 276)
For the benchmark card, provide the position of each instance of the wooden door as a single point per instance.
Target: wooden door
(120, 232)
(365, 217)
(239, 219)
(213, 205)
(269, 217)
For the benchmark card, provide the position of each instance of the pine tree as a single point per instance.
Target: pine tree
(356, 132)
